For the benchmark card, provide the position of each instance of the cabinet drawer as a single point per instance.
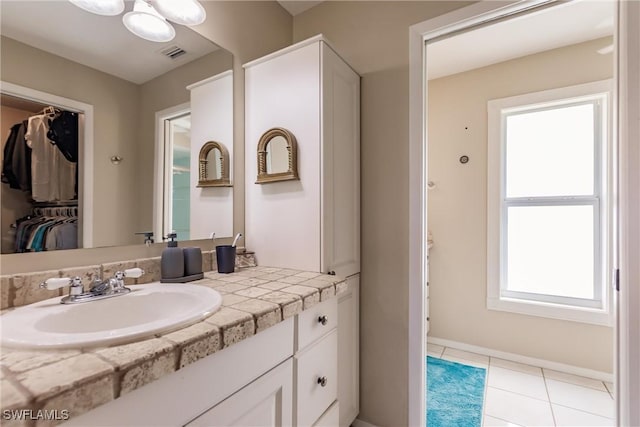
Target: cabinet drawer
(331, 417)
(316, 379)
(315, 322)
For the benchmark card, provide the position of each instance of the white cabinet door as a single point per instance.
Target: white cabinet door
(340, 166)
(268, 401)
(349, 352)
(312, 223)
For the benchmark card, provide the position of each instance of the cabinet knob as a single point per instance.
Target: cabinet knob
(322, 381)
(323, 319)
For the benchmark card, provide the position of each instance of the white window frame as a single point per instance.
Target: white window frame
(598, 311)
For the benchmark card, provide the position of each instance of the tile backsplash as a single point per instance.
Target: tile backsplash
(24, 288)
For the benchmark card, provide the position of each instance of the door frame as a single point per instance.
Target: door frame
(85, 149)
(628, 98)
(160, 172)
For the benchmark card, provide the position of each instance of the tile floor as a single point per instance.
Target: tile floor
(523, 395)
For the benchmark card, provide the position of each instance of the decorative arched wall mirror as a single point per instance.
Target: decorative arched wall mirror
(213, 165)
(277, 156)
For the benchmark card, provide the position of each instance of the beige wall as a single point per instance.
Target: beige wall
(458, 209)
(115, 103)
(374, 38)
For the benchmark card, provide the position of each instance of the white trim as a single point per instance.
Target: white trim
(209, 79)
(628, 326)
(158, 165)
(629, 342)
(417, 405)
(551, 311)
(518, 358)
(287, 49)
(303, 43)
(498, 298)
(85, 174)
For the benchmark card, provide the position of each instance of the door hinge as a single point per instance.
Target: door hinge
(616, 279)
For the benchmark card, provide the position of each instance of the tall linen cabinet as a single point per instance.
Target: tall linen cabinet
(313, 223)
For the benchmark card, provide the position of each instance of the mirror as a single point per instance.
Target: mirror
(277, 156)
(214, 165)
(58, 49)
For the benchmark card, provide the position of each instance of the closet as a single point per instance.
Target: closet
(39, 190)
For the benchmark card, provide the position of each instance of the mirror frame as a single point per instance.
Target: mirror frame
(223, 181)
(292, 173)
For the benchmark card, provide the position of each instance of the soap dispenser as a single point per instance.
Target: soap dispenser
(172, 260)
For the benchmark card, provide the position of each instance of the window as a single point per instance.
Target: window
(548, 210)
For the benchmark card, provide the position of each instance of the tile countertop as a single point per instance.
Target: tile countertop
(253, 299)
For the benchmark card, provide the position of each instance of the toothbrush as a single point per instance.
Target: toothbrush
(238, 236)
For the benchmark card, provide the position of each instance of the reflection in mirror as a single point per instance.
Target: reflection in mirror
(176, 189)
(277, 156)
(125, 81)
(214, 165)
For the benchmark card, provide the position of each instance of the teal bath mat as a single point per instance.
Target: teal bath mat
(455, 394)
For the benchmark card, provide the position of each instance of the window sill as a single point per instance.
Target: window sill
(553, 311)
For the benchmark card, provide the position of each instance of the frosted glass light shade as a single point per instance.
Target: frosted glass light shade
(145, 22)
(183, 12)
(101, 7)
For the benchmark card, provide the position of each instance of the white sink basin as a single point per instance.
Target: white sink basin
(147, 310)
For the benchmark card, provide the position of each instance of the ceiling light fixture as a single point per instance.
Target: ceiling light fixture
(101, 7)
(148, 19)
(144, 21)
(183, 12)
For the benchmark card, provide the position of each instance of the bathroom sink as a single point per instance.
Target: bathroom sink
(145, 311)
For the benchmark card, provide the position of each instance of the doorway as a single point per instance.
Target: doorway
(438, 28)
(23, 100)
(173, 172)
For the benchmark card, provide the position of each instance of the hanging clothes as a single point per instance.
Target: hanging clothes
(53, 177)
(16, 164)
(63, 132)
(36, 233)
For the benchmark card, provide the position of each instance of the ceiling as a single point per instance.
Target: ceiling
(103, 43)
(100, 42)
(551, 28)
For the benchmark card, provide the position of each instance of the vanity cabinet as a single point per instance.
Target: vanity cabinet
(286, 375)
(311, 223)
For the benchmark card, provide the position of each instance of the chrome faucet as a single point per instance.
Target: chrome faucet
(100, 289)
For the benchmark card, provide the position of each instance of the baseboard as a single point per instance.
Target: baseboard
(542, 363)
(359, 423)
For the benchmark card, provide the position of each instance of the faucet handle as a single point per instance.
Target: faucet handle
(57, 283)
(130, 272)
(75, 284)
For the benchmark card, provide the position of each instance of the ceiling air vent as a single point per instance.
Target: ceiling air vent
(173, 52)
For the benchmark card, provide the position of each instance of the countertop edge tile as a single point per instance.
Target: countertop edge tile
(110, 372)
